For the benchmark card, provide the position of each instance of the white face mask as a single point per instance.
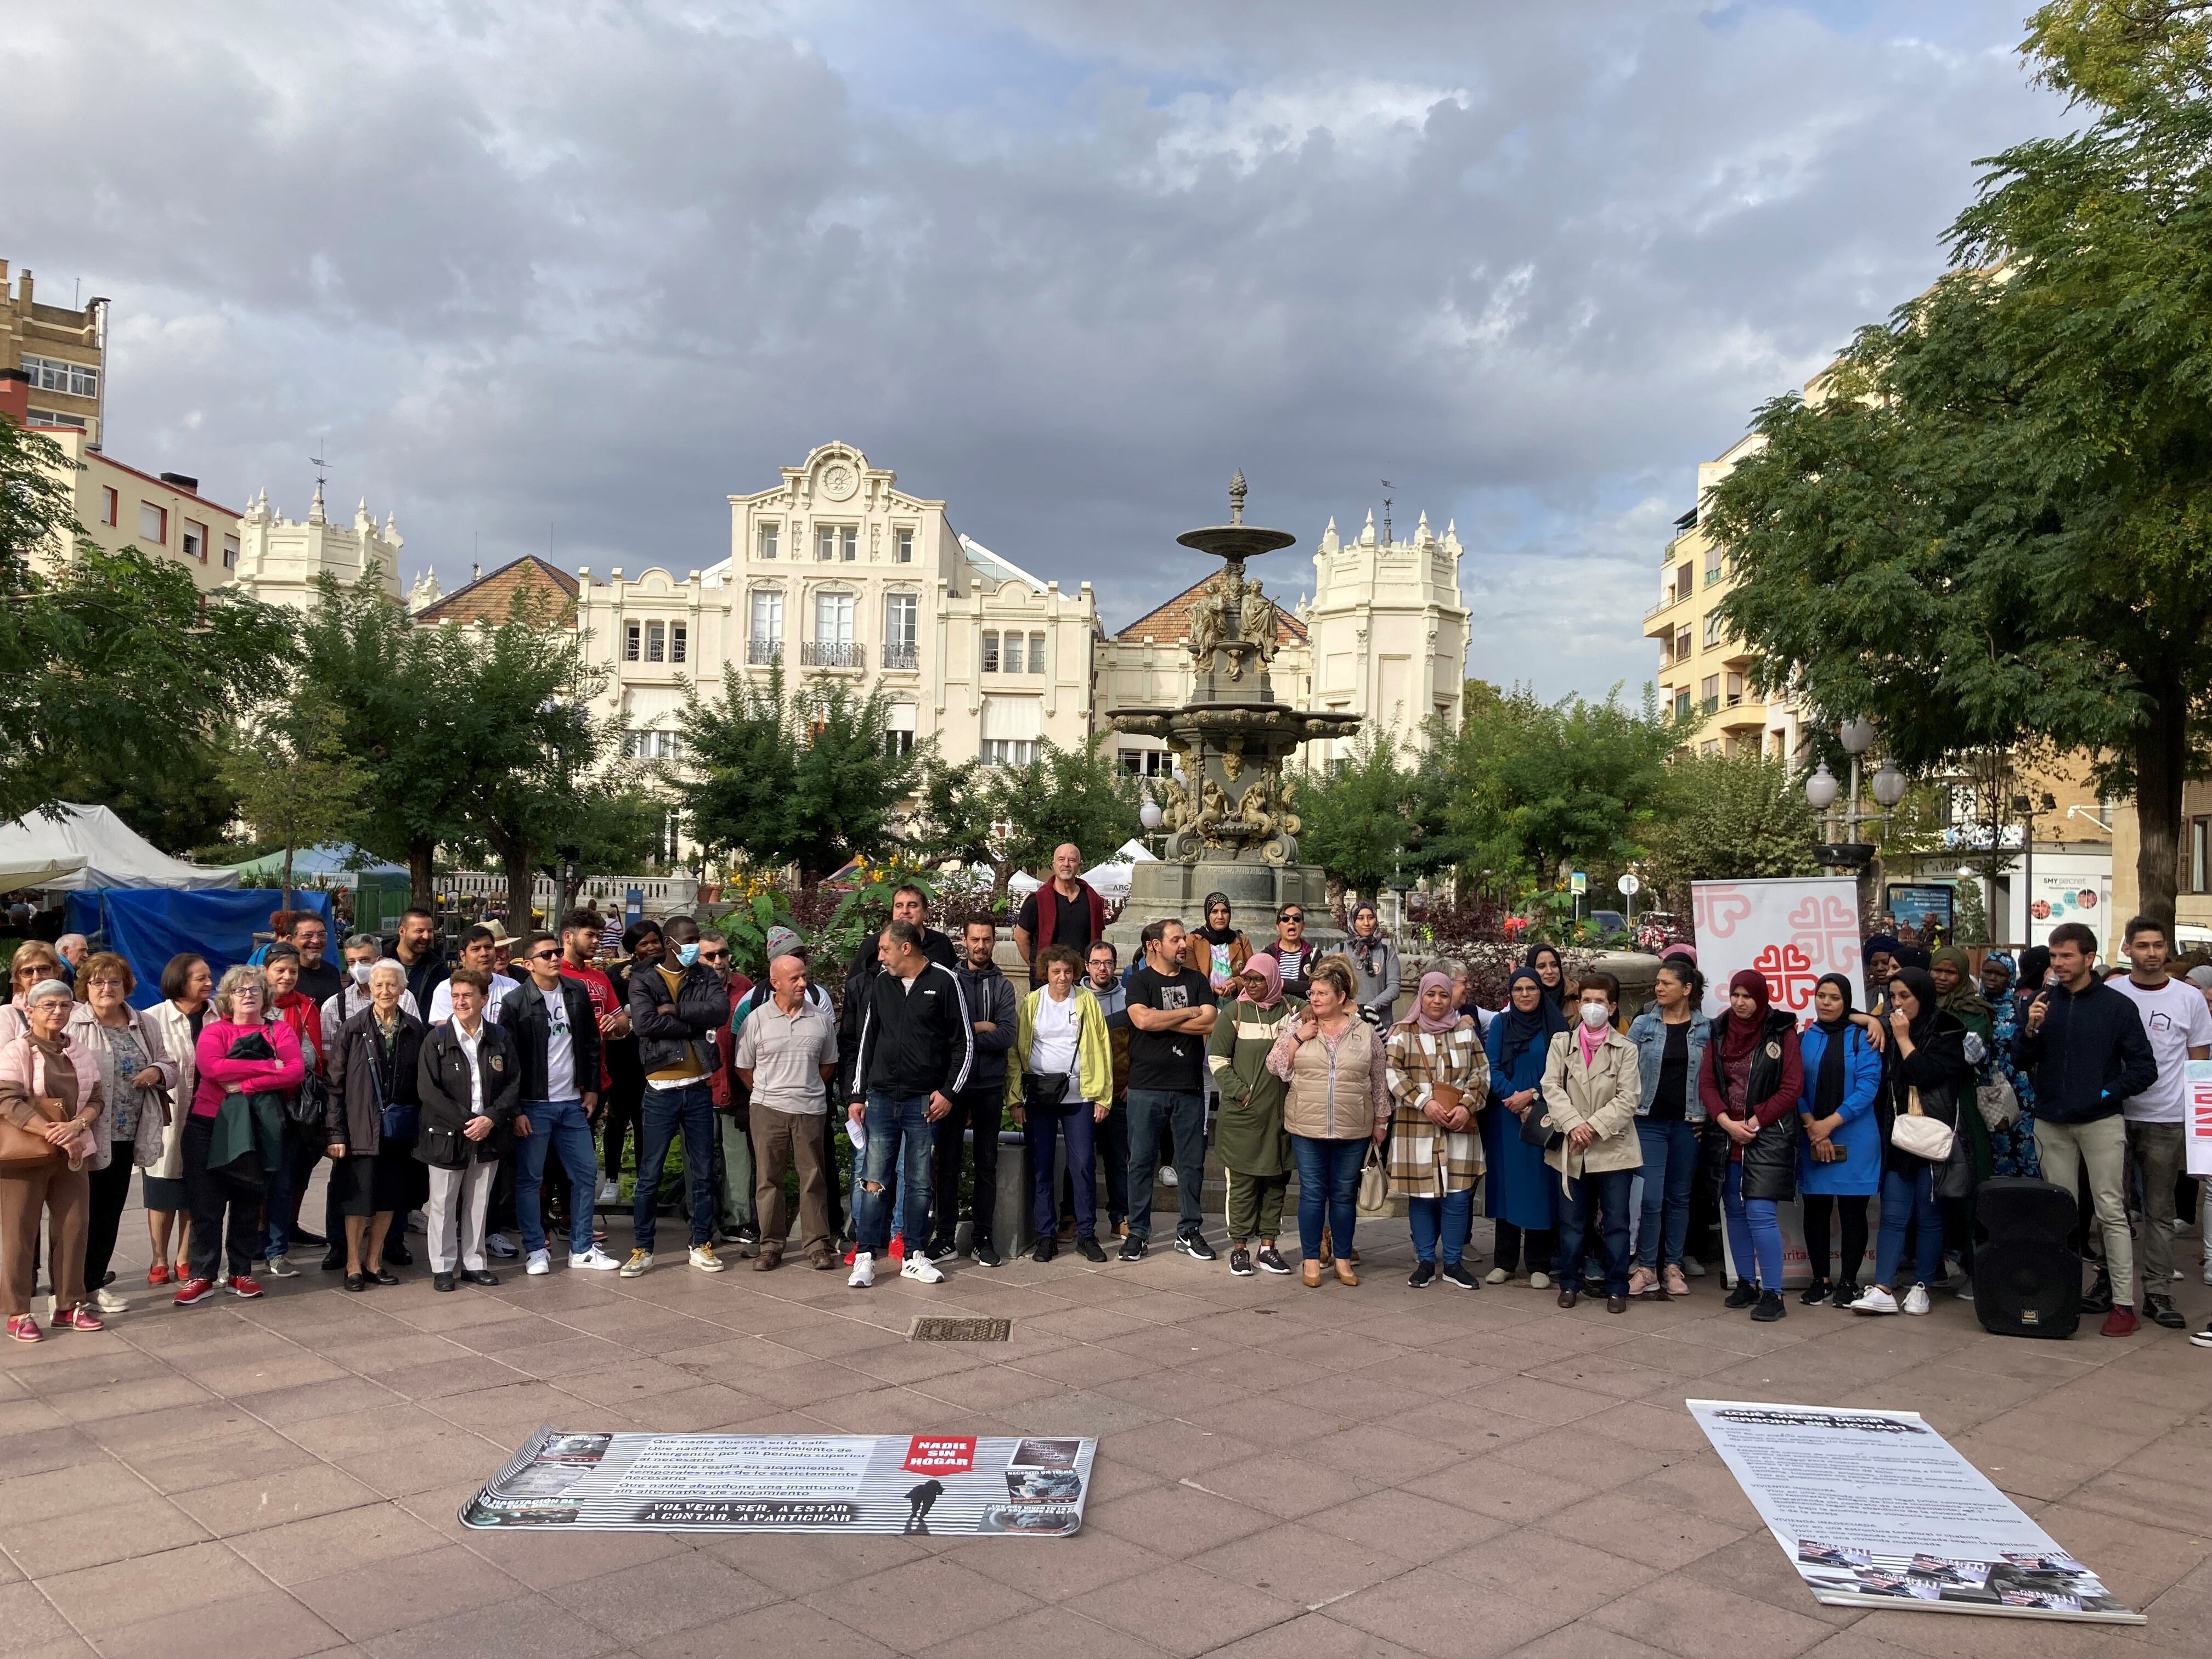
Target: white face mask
(360, 972)
(1596, 1015)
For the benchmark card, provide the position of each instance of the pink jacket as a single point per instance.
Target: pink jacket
(219, 1074)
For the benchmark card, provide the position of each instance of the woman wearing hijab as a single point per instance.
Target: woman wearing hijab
(1439, 1079)
(1840, 1159)
(1374, 967)
(1550, 969)
(1956, 993)
(1751, 1083)
(1248, 1133)
(1218, 949)
(1925, 1060)
(2012, 1149)
(1522, 1194)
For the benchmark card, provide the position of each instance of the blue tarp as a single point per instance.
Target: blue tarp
(146, 925)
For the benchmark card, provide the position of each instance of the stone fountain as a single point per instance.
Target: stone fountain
(1231, 820)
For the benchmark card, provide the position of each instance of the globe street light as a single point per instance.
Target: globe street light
(1150, 815)
(1889, 786)
(1855, 735)
(1820, 788)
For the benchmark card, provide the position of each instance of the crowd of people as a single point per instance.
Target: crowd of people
(498, 1094)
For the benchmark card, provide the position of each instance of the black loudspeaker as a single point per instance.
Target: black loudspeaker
(2027, 1282)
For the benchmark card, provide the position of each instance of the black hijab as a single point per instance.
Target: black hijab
(1519, 1030)
(1828, 1082)
(1556, 995)
(1210, 934)
(2034, 965)
(1922, 984)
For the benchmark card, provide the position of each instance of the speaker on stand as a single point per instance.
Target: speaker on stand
(2026, 1281)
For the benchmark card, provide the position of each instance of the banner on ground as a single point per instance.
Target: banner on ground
(1876, 1509)
(929, 1485)
(1790, 931)
(2199, 1096)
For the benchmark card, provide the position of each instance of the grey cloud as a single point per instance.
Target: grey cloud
(1064, 265)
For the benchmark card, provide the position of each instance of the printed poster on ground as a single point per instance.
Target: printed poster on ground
(1876, 1509)
(920, 1484)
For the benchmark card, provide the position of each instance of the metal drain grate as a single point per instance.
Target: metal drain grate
(960, 1330)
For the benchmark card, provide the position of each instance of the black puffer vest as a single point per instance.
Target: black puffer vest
(1769, 1162)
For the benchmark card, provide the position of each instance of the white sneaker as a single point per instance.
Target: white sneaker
(107, 1302)
(704, 1258)
(499, 1245)
(1876, 1299)
(1692, 1265)
(1169, 1178)
(1496, 1276)
(541, 1261)
(2208, 1271)
(609, 1192)
(1539, 1281)
(1916, 1299)
(863, 1271)
(922, 1270)
(280, 1266)
(597, 1260)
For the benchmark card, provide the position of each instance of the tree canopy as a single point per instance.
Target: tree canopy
(1995, 522)
(1727, 817)
(1011, 818)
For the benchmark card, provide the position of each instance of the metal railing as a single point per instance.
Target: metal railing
(828, 653)
(901, 656)
(763, 653)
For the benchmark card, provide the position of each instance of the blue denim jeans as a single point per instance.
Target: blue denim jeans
(901, 1137)
(1755, 1235)
(1328, 1191)
(1670, 1170)
(1607, 1190)
(291, 1173)
(1451, 1216)
(1904, 1200)
(1042, 1129)
(1153, 1112)
(662, 1115)
(556, 1126)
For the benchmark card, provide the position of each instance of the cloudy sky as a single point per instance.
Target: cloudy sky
(570, 275)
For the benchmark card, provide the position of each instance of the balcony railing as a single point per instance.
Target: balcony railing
(827, 653)
(1673, 598)
(901, 656)
(763, 653)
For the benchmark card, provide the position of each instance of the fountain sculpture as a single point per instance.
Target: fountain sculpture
(1231, 812)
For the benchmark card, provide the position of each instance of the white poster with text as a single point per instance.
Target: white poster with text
(1790, 930)
(1877, 1509)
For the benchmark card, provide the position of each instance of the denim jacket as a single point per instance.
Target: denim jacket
(1649, 1033)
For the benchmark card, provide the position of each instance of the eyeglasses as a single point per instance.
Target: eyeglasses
(717, 955)
(545, 956)
(1291, 915)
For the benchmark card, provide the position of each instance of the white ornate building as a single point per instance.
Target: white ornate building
(835, 571)
(279, 558)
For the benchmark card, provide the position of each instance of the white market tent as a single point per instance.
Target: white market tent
(1113, 878)
(89, 846)
(17, 872)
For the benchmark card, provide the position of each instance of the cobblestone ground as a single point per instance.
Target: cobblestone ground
(1371, 1472)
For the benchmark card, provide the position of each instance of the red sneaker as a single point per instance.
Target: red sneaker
(898, 1247)
(79, 1318)
(194, 1289)
(244, 1285)
(24, 1328)
(158, 1273)
(2121, 1321)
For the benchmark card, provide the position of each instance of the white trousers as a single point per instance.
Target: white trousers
(460, 1196)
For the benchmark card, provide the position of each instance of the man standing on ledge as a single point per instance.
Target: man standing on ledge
(1171, 1009)
(1066, 910)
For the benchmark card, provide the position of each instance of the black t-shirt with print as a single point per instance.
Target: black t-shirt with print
(1172, 1061)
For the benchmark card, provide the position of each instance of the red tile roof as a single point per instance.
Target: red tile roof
(1171, 620)
(491, 598)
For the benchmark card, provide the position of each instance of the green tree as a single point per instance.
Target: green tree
(804, 775)
(609, 822)
(1011, 818)
(1356, 814)
(182, 804)
(1997, 522)
(295, 783)
(112, 665)
(1538, 788)
(1728, 818)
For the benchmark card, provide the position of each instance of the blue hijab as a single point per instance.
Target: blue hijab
(1513, 1031)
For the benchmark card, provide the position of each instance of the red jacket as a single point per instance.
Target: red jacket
(723, 1083)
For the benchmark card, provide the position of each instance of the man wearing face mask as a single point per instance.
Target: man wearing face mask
(362, 952)
(677, 1007)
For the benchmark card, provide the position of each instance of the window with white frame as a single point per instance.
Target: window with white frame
(833, 618)
(1011, 654)
(656, 641)
(678, 637)
(767, 615)
(51, 417)
(1010, 729)
(904, 554)
(902, 627)
(1148, 762)
(838, 543)
(110, 506)
(229, 551)
(1008, 752)
(990, 651)
(633, 641)
(153, 523)
(53, 375)
(770, 535)
(195, 541)
(1036, 654)
(898, 729)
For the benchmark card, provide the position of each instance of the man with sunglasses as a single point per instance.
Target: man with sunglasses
(1294, 957)
(556, 1040)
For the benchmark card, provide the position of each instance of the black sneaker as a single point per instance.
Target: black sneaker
(1240, 1262)
(941, 1249)
(1423, 1276)
(1770, 1309)
(986, 1254)
(1044, 1250)
(2098, 1297)
(1816, 1294)
(1132, 1248)
(2202, 1338)
(1087, 1248)
(1194, 1245)
(1743, 1296)
(312, 1240)
(1846, 1293)
(1270, 1260)
(1452, 1274)
(2160, 1310)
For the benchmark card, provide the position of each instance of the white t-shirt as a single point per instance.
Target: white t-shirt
(560, 1046)
(1054, 1039)
(2177, 1020)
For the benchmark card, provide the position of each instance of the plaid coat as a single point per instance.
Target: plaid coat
(1425, 1161)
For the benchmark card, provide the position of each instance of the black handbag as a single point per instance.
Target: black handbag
(1044, 1094)
(1536, 1128)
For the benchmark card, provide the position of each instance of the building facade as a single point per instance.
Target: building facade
(53, 360)
(1390, 633)
(279, 558)
(835, 571)
(161, 514)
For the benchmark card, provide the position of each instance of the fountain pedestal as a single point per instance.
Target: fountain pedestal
(1232, 818)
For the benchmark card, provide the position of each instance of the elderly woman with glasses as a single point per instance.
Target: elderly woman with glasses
(244, 1055)
(51, 1114)
(138, 1081)
(34, 965)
